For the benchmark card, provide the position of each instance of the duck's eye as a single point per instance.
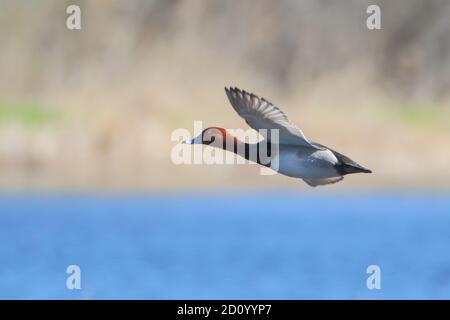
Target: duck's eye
(208, 138)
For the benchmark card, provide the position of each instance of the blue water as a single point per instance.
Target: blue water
(225, 246)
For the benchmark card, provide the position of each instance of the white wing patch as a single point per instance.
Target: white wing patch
(261, 114)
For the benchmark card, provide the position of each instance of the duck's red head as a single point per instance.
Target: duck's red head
(212, 136)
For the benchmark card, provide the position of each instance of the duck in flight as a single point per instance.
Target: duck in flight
(297, 156)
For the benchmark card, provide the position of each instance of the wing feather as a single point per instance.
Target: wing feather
(261, 114)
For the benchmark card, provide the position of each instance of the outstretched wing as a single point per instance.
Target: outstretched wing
(261, 114)
(321, 182)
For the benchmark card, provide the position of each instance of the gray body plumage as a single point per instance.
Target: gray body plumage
(296, 157)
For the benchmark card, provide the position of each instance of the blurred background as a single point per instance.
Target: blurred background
(94, 108)
(86, 175)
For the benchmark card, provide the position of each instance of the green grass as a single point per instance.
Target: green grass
(420, 115)
(28, 114)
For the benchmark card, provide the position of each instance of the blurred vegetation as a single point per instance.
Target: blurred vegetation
(28, 114)
(424, 115)
(139, 69)
(290, 44)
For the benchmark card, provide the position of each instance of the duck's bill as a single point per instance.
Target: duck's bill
(196, 140)
(188, 141)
